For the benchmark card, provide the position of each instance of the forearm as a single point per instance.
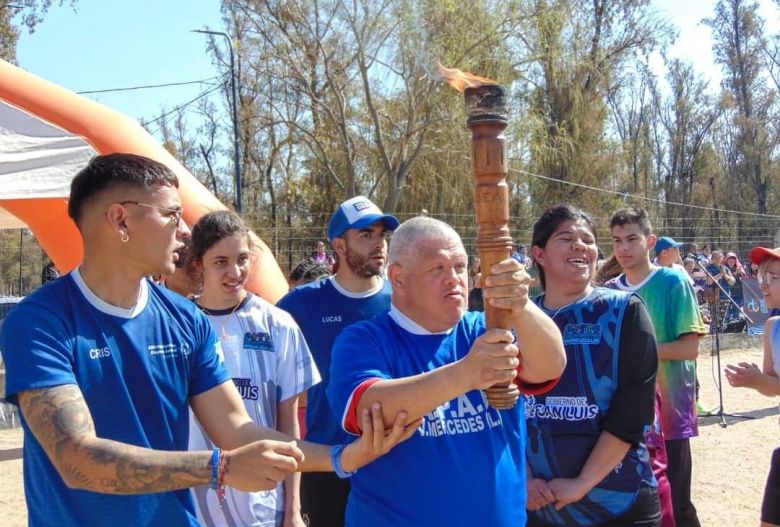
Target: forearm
(110, 467)
(684, 348)
(541, 346)
(768, 385)
(287, 423)
(61, 422)
(608, 452)
(416, 395)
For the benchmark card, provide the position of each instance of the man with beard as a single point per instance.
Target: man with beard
(357, 291)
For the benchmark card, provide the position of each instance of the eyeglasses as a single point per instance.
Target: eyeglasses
(174, 218)
(766, 278)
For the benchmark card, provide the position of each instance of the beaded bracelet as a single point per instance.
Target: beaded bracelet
(221, 478)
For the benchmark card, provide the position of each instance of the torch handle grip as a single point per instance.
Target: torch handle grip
(494, 241)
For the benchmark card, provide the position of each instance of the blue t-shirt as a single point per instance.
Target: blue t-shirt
(137, 370)
(322, 311)
(464, 466)
(565, 424)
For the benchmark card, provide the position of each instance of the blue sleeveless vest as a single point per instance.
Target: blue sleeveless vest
(564, 424)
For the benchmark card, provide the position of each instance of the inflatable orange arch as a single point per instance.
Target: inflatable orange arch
(106, 131)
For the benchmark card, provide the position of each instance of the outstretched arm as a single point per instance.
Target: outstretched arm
(223, 416)
(61, 422)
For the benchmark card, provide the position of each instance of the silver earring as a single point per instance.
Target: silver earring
(125, 237)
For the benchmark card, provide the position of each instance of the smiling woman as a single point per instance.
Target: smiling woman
(587, 462)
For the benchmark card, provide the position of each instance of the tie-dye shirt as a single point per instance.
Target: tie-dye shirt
(672, 305)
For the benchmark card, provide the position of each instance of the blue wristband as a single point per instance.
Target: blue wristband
(335, 458)
(215, 468)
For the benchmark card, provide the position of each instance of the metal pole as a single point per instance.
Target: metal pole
(236, 152)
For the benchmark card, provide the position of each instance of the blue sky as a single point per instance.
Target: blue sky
(110, 44)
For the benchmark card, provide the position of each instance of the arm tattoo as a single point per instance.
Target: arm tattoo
(61, 422)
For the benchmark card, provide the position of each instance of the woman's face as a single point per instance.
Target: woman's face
(569, 257)
(225, 267)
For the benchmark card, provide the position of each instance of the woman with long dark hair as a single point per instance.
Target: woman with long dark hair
(587, 464)
(265, 354)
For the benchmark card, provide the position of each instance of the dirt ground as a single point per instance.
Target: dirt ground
(729, 464)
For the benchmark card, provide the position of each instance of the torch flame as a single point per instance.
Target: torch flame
(460, 80)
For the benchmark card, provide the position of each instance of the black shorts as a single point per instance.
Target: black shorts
(770, 507)
(324, 499)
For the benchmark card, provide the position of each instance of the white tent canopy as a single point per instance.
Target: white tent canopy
(37, 159)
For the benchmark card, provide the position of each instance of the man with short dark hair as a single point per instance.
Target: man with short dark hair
(428, 355)
(358, 235)
(671, 302)
(104, 364)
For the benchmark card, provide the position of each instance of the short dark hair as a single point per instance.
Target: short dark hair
(632, 214)
(550, 220)
(114, 170)
(213, 227)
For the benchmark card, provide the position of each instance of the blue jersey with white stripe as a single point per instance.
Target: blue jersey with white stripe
(137, 370)
(565, 423)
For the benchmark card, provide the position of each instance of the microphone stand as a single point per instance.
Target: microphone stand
(716, 321)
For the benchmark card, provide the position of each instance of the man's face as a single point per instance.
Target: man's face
(365, 250)
(668, 256)
(630, 245)
(435, 283)
(153, 229)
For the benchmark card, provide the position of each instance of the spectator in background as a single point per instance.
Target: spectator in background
(693, 251)
(608, 270)
(706, 252)
(667, 254)
(185, 279)
(322, 256)
(49, 273)
(308, 271)
(722, 275)
(521, 255)
(738, 273)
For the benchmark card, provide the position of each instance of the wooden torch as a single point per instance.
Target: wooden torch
(487, 119)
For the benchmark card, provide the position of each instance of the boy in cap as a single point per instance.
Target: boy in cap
(357, 291)
(667, 254)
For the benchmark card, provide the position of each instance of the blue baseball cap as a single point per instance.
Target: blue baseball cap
(358, 213)
(664, 243)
